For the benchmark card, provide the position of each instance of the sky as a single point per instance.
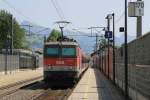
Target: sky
(81, 13)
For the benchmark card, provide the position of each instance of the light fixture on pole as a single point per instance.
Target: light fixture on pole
(62, 24)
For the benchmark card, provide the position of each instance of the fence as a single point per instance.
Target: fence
(20, 59)
(9, 62)
(138, 68)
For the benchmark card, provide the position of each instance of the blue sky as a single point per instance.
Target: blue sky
(82, 13)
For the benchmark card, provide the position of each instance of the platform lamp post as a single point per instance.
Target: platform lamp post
(108, 17)
(126, 53)
(113, 36)
(62, 24)
(114, 60)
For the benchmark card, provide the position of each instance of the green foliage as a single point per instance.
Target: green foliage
(103, 43)
(54, 35)
(5, 30)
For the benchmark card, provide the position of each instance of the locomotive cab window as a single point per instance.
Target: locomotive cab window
(68, 51)
(52, 51)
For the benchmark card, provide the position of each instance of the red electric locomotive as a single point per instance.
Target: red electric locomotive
(63, 60)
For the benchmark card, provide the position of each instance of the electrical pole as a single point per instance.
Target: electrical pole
(139, 25)
(96, 50)
(102, 60)
(29, 28)
(96, 41)
(105, 58)
(12, 33)
(96, 36)
(29, 33)
(45, 39)
(108, 27)
(113, 47)
(126, 53)
(91, 31)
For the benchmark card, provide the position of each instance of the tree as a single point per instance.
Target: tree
(5, 30)
(54, 35)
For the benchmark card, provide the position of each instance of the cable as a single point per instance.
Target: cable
(121, 16)
(61, 11)
(57, 10)
(17, 11)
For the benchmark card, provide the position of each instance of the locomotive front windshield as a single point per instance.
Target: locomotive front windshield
(63, 51)
(68, 51)
(52, 51)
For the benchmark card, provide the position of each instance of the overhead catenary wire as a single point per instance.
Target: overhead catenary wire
(19, 12)
(60, 15)
(59, 7)
(56, 6)
(119, 18)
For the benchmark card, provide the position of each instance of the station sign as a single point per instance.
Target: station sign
(136, 9)
(108, 34)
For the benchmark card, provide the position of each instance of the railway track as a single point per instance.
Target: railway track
(49, 94)
(38, 91)
(9, 89)
(56, 93)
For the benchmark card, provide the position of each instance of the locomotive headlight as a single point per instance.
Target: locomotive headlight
(50, 67)
(45, 66)
(73, 68)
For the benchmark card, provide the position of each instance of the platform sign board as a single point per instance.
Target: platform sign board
(136, 9)
(108, 34)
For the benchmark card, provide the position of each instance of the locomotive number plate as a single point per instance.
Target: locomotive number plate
(59, 62)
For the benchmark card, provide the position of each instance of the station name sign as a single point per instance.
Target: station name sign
(136, 9)
(108, 34)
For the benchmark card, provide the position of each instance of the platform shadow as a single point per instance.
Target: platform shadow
(106, 89)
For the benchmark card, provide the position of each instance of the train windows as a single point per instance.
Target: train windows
(58, 51)
(67, 51)
(52, 51)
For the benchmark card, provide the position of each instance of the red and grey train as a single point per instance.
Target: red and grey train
(63, 60)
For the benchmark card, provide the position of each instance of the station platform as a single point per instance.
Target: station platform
(19, 76)
(95, 86)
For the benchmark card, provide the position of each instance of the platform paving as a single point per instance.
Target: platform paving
(19, 76)
(95, 86)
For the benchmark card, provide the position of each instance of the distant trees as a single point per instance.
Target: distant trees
(54, 35)
(6, 30)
